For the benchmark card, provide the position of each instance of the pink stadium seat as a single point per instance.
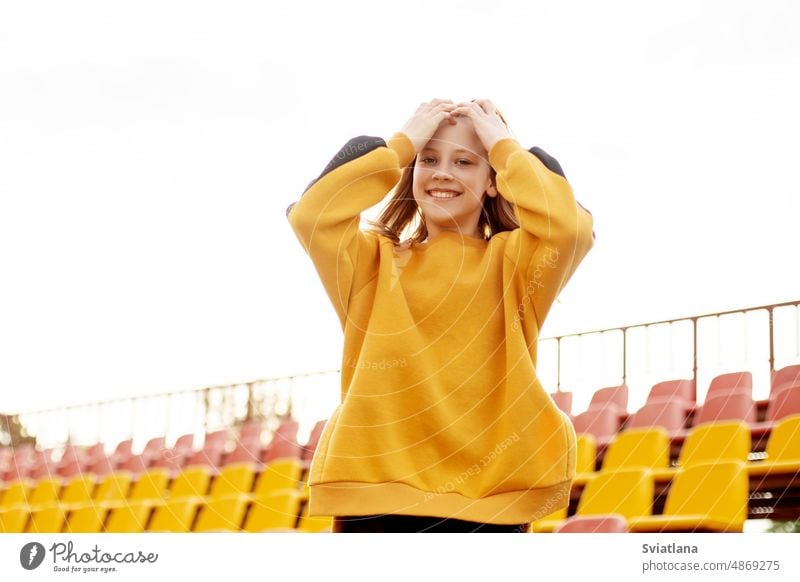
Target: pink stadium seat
(563, 400)
(785, 402)
(213, 450)
(614, 395)
(175, 458)
(612, 523)
(731, 382)
(602, 423)
(670, 389)
(284, 442)
(669, 414)
(729, 406)
(785, 377)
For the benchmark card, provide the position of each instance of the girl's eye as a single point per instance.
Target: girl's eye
(464, 162)
(426, 160)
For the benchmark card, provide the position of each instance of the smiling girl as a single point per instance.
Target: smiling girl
(463, 436)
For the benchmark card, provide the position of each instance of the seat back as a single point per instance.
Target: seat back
(718, 490)
(727, 406)
(784, 440)
(648, 448)
(669, 414)
(628, 492)
(717, 441)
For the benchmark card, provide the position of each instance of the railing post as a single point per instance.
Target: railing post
(694, 355)
(771, 346)
(558, 364)
(624, 355)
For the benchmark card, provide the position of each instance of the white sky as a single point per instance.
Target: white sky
(148, 151)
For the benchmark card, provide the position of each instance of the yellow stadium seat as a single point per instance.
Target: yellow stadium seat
(89, 517)
(132, 514)
(191, 482)
(275, 512)
(175, 516)
(233, 480)
(716, 441)
(13, 519)
(223, 514)
(314, 524)
(548, 522)
(586, 458)
(783, 450)
(627, 492)
(641, 447)
(703, 497)
(50, 518)
(278, 475)
(16, 493)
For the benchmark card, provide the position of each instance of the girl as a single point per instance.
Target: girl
(443, 424)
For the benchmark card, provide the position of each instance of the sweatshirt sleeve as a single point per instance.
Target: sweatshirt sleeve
(326, 219)
(555, 232)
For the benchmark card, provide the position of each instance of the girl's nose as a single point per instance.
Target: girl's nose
(440, 174)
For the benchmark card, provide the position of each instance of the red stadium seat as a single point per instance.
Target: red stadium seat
(612, 523)
(730, 383)
(668, 414)
(785, 377)
(730, 406)
(613, 395)
(669, 389)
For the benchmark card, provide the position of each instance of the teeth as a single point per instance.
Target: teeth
(443, 193)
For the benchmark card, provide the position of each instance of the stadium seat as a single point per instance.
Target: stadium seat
(50, 518)
(628, 492)
(586, 458)
(548, 522)
(132, 515)
(175, 516)
(275, 512)
(175, 458)
(13, 519)
(784, 402)
(644, 448)
(602, 423)
(278, 475)
(16, 493)
(668, 414)
(787, 376)
(284, 443)
(733, 382)
(213, 450)
(222, 514)
(711, 442)
(613, 395)
(563, 400)
(727, 406)
(612, 523)
(783, 450)
(315, 524)
(90, 516)
(671, 389)
(708, 497)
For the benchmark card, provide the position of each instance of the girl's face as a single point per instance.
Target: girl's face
(451, 178)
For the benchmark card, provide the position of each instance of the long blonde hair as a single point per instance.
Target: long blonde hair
(402, 210)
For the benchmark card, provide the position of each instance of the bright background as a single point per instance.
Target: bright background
(148, 152)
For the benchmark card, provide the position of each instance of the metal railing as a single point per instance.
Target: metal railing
(757, 339)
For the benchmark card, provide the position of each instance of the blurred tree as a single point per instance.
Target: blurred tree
(784, 527)
(12, 432)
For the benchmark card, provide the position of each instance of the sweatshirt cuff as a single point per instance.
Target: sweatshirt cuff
(500, 152)
(403, 147)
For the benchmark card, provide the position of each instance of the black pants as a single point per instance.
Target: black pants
(420, 524)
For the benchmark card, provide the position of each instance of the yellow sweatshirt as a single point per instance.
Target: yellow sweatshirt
(442, 413)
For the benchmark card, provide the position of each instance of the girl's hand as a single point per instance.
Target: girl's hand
(424, 123)
(489, 123)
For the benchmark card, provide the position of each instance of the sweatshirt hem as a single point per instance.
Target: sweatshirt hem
(356, 498)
